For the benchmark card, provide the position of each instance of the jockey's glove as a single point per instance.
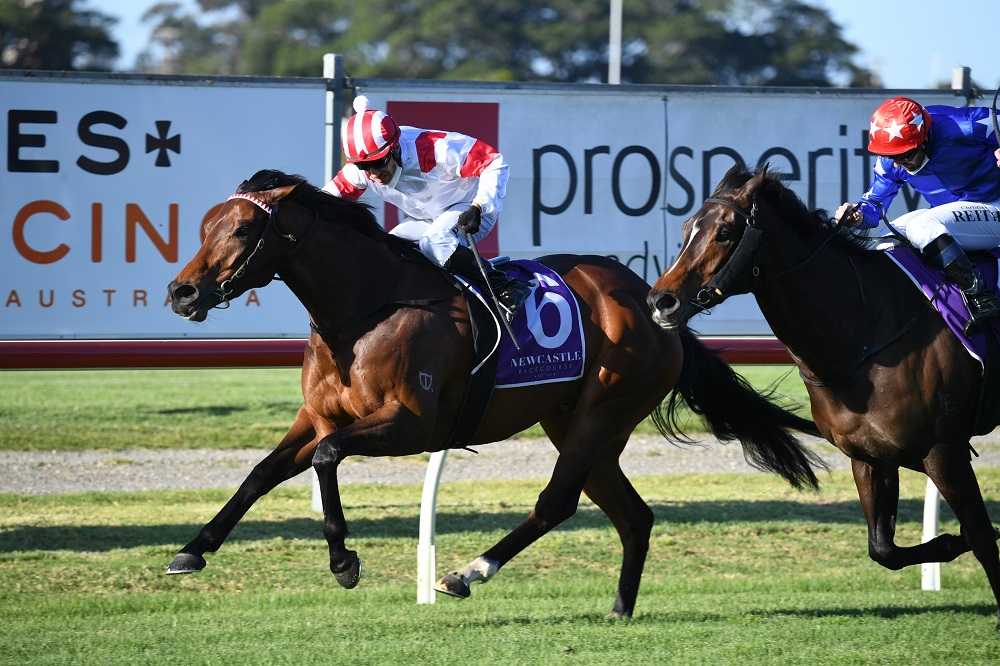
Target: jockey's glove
(468, 222)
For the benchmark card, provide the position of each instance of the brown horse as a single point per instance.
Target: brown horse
(386, 377)
(890, 385)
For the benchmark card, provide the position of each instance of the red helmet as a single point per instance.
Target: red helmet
(370, 135)
(898, 125)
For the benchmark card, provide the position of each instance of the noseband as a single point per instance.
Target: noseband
(744, 255)
(226, 288)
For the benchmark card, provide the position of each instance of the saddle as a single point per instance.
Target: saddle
(981, 341)
(549, 329)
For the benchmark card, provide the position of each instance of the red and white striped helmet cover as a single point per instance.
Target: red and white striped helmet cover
(370, 134)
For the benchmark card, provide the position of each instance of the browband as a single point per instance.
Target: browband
(740, 211)
(251, 198)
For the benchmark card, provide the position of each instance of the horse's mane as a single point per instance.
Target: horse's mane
(791, 208)
(328, 206)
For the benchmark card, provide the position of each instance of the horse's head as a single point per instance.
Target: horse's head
(720, 243)
(244, 243)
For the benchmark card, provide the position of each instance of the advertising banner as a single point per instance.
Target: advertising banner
(105, 185)
(616, 170)
(106, 181)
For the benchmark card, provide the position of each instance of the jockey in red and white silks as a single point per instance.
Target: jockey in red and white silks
(950, 156)
(446, 184)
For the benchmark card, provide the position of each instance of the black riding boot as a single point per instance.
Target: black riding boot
(944, 252)
(509, 292)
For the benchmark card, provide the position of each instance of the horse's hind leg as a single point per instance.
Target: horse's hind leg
(878, 490)
(952, 473)
(609, 488)
(291, 457)
(557, 502)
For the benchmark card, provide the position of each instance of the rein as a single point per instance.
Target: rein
(721, 282)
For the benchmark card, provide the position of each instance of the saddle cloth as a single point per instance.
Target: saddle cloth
(548, 328)
(549, 331)
(946, 297)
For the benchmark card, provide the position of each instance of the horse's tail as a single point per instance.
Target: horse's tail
(732, 409)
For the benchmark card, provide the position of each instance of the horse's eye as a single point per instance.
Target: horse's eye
(242, 232)
(724, 235)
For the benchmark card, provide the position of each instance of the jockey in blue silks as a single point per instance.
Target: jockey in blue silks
(950, 156)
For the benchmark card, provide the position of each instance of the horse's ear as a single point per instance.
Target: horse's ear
(746, 193)
(277, 194)
(728, 181)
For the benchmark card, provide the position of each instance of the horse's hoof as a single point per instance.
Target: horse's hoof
(185, 563)
(349, 577)
(453, 586)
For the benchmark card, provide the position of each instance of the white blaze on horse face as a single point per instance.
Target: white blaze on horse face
(695, 230)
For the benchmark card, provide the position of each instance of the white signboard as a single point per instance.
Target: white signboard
(105, 185)
(616, 171)
(106, 181)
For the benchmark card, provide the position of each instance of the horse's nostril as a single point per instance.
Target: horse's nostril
(182, 291)
(664, 302)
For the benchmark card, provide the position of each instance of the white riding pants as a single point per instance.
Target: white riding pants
(439, 238)
(974, 226)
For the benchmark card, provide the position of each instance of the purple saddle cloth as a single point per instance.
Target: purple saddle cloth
(946, 297)
(548, 328)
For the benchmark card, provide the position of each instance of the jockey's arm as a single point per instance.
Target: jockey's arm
(349, 183)
(493, 171)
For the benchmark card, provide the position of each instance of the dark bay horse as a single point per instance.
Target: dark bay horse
(889, 384)
(385, 377)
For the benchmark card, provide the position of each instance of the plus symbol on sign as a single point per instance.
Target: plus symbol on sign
(163, 143)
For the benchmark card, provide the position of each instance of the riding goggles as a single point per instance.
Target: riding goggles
(374, 165)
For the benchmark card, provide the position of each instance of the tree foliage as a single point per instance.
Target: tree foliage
(55, 35)
(719, 42)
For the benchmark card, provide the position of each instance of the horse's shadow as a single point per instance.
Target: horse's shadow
(98, 538)
(675, 617)
(225, 410)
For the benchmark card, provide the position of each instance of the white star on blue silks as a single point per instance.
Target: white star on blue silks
(988, 121)
(894, 130)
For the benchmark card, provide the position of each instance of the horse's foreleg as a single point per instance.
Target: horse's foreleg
(344, 563)
(390, 431)
(953, 475)
(878, 490)
(291, 457)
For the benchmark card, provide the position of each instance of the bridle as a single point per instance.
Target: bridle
(746, 253)
(226, 288)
